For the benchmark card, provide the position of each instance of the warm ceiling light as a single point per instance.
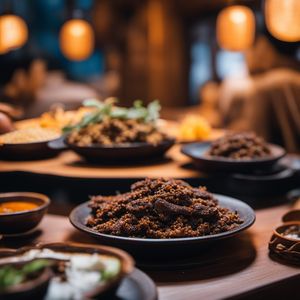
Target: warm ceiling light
(236, 28)
(13, 32)
(283, 19)
(77, 39)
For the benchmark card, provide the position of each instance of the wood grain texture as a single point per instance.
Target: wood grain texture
(69, 164)
(235, 268)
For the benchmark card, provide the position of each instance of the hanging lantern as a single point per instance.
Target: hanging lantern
(77, 39)
(283, 19)
(236, 28)
(13, 32)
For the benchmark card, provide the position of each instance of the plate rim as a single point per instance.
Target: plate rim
(226, 234)
(124, 146)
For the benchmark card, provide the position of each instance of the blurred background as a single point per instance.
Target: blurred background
(235, 63)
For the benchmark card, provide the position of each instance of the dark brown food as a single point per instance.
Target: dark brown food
(161, 208)
(244, 145)
(117, 131)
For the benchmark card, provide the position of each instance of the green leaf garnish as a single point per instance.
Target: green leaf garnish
(108, 109)
(11, 275)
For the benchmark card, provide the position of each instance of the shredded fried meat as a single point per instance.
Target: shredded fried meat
(244, 145)
(116, 131)
(161, 208)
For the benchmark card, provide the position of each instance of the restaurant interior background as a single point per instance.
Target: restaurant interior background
(233, 63)
(163, 128)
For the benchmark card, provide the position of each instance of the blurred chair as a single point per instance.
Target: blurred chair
(268, 104)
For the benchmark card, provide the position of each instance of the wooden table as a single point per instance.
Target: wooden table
(237, 268)
(69, 164)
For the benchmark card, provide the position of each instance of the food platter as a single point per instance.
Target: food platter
(197, 151)
(161, 247)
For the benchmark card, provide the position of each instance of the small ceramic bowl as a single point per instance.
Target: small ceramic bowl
(23, 221)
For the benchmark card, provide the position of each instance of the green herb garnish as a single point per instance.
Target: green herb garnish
(11, 275)
(108, 109)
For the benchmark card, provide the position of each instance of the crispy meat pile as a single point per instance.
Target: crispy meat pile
(161, 208)
(116, 131)
(244, 145)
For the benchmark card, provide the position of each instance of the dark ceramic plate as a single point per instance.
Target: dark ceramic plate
(118, 153)
(23, 221)
(159, 247)
(197, 151)
(136, 286)
(27, 151)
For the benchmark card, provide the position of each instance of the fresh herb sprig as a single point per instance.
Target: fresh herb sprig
(108, 109)
(11, 275)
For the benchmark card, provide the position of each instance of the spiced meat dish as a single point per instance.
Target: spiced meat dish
(110, 125)
(116, 131)
(243, 145)
(161, 208)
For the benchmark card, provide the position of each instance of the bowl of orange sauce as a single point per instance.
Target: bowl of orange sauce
(21, 212)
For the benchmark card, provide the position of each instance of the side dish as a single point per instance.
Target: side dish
(108, 125)
(243, 145)
(29, 135)
(74, 275)
(194, 128)
(16, 206)
(161, 209)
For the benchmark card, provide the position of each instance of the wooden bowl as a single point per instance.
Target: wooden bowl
(283, 247)
(127, 262)
(23, 221)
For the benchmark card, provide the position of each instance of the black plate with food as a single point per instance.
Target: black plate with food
(147, 222)
(28, 144)
(205, 162)
(125, 153)
(128, 152)
(109, 133)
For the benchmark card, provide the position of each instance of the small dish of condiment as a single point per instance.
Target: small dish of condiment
(16, 206)
(21, 212)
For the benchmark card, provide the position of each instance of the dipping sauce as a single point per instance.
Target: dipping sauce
(16, 206)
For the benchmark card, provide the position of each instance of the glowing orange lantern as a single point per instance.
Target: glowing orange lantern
(13, 32)
(283, 19)
(236, 28)
(77, 39)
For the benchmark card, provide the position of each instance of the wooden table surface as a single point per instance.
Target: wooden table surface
(238, 267)
(69, 164)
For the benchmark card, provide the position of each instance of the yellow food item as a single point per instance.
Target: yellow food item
(59, 118)
(16, 206)
(194, 128)
(29, 135)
